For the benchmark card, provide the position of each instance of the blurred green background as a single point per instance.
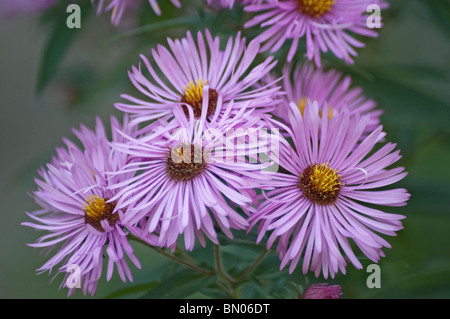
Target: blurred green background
(52, 79)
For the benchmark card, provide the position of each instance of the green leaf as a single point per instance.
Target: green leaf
(405, 105)
(253, 290)
(180, 285)
(241, 237)
(440, 9)
(157, 26)
(409, 71)
(61, 37)
(427, 280)
(131, 290)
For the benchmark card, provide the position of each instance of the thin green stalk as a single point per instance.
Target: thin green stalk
(174, 258)
(219, 267)
(225, 288)
(185, 256)
(254, 265)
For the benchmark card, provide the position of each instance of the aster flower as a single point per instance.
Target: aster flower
(325, 24)
(77, 212)
(317, 208)
(329, 88)
(119, 7)
(323, 291)
(192, 70)
(182, 185)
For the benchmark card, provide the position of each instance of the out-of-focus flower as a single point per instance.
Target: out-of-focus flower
(83, 225)
(323, 291)
(325, 24)
(329, 88)
(119, 7)
(155, 6)
(191, 71)
(316, 209)
(11, 8)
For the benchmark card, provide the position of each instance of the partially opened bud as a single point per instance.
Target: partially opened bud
(322, 291)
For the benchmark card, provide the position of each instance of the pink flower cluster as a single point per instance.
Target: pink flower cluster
(187, 163)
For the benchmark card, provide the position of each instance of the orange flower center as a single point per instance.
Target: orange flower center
(97, 209)
(315, 8)
(320, 184)
(185, 162)
(193, 96)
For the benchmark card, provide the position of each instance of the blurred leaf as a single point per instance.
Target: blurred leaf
(99, 86)
(61, 37)
(157, 26)
(131, 290)
(52, 13)
(429, 195)
(404, 72)
(221, 18)
(407, 105)
(421, 282)
(253, 290)
(240, 237)
(281, 287)
(269, 268)
(440, 9)
(180, 285)
(215, 293)
(246, 253)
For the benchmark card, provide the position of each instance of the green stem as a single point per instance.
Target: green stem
(254, 265)
(219, 267)
(225, 288)
(185, 256)
(174, 258)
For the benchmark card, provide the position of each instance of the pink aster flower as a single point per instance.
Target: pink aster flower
(182, 183)
(192, 69)
(325, 24)
(318, 208)
(83, 225)
(323, 291)
(329, 88)
(117, 8)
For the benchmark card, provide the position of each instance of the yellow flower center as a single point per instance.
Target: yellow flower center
(320, 184)
(97, 209)
(193, 96)
(315, 8)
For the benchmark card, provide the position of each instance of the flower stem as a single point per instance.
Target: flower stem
(225, 288)
(254, 265)
(184, 255)
(181, 261)
(219, 267)
(174, 258)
